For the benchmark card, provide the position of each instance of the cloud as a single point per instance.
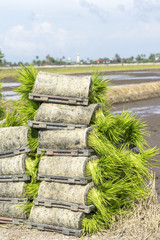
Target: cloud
(121, 8)
(147, 10)
(95, 9)
(41, 38)
(141, 32)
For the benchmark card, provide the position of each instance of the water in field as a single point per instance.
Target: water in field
(138, 75)
(143, 111)
(12, 84)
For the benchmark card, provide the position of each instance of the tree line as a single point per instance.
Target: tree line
(49, 60)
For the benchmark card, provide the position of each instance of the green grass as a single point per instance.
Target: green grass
(91, 69)
(83, 69)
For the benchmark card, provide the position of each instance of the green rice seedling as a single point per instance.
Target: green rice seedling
(93, 223)
(111, 199)
(0, 92)
(133, 129)
(119, 174)
(2, 112)
(27, 76)
(27, 207)
(99, 86)
(125, 129)
(117, 161)
(13, 119)
(31, 189)
(33, 140)
(31, 164)
(26, 107)
(106, 124)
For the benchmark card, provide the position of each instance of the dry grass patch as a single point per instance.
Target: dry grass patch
(134, 92)
(141, 224)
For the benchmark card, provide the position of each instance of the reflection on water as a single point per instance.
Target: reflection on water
(127, 77)
(13, 97)
(134, 75)
(8, 95)
(13, 84)
(144, 111)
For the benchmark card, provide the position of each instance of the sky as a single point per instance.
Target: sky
(93, 28)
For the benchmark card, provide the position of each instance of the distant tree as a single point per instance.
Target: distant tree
(20, 63)
(117, 58)
(139, 58)
(50, 60)
(1, 56)
(106, 60)
(131, 59)
(128, 60)
(152, 57)
(157, 57)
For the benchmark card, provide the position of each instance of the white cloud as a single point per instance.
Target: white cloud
(147, 10)
(143, 31)
(91, 27)
(95, 9)
(42, 37)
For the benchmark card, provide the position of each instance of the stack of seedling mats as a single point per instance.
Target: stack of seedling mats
(62, 119)
(13, 149)
(63, 171)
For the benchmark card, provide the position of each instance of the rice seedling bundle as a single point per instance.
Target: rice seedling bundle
(119, 172)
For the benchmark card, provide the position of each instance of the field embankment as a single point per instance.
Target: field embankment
(119, 94)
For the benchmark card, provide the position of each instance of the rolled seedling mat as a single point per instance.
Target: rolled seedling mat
(13, 200)
(55, 126)
(65, 205)
(15, 178)
(62, 179)
(12, 190)
(12, 220)
(13, 165)
(58, 113)
(56, 217)
(71, 193)
(64, 139)
(13, 138)
(61, 85)
(51, 228)
(64, 165)
(9, 210)
(66, 152)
